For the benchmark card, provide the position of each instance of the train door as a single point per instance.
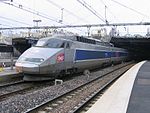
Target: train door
(112, 55)
(69, 54)
(108, 52)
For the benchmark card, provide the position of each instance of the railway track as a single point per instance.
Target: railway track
(9, 84)
(11, 89)
(21, 87)
(74, 100)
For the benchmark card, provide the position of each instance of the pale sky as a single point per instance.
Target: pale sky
(75, 13)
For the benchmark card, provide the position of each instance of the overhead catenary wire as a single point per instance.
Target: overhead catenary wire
(29, 10)
(5, 25)
(61, 7)
(32, 11)
(21, 7)
(138, 12)
(58, 6)
(69, 12)
(6, 18)
(88, 7)
(38, 13)
(35, 12)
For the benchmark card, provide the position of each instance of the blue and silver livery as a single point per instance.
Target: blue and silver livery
(60, 54)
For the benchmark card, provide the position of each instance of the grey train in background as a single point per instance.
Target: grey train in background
(60, 54)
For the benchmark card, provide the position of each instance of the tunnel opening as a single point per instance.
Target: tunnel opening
(138, 47)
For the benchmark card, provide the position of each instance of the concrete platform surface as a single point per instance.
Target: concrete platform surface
(140, 96)
(7, 74)
(116, 98)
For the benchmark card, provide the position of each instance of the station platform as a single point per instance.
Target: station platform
(8, 73)
(129, 94)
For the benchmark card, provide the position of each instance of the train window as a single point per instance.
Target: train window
(85, 40)
(77, 38)
(67, 45)
(89, 41)
(40, 43)
(80, 39)
(62, 45)
(55, 44)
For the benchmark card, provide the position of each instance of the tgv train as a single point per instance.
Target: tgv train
(60, 54)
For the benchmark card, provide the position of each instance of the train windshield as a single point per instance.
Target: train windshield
(51, 43)
(40, 43)
(55, 44)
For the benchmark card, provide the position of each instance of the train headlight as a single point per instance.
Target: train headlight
(18, 69)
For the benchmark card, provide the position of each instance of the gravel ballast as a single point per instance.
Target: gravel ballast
(21, 103)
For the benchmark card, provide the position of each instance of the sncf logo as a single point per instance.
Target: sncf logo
(60, 57)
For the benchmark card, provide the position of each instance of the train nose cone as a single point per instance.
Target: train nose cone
(29, 68)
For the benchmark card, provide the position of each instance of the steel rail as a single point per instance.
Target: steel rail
(100, 91)
(34, 109)
(10, 84)
(6, 95)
